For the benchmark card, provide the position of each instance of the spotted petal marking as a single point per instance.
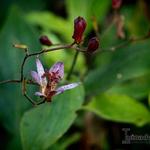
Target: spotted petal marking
(59, 68)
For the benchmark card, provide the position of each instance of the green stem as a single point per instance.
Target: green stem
(73, 65)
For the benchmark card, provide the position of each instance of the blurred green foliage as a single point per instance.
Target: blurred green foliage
(118, 84)
(119, 107)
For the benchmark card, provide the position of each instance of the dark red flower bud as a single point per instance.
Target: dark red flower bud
(116, 4)
(79, 28)
(93, 44)
(44, 40)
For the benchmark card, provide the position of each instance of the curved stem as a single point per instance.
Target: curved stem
(124, 44)
(10, 81)
(22, 67)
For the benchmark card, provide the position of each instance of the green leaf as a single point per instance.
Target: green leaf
(64, 27)
(12, 102)
(137, 88)
(119, 108)
(127, 63)
(49, 21)
(43, 125)
(87, 8)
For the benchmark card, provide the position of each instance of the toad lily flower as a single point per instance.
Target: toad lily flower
(48, 80)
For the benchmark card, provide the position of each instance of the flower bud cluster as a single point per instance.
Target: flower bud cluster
(79, 28)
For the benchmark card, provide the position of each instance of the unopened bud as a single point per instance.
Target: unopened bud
(93, 44)
(21, 46)
(116, 4)
(79, 28)
(44, 40)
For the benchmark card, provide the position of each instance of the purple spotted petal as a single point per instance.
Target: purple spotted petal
(58, 67)
(35, 77)
(41, 71)
(38, 94)
(66, 87)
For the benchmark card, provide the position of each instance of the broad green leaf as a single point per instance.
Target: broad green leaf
(119, 108)
(43, 125)
(12, 102)
(127, 63)
(49, 21)
(137, 88)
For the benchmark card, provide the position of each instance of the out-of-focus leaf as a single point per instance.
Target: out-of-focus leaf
(87, 9)
(12, 103)
(34, 4)
(106, 41)
(14, 143)
(78, 8)
(49, 21)
(137, 88)
(119, 108)
(64, 55)
(127, 63)
(149, 99)
(65, 142)
(136, 23)
(43, 125)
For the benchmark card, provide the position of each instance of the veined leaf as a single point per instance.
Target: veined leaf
(119, 108)
(43, 125)
(49, 21)
(12, 102)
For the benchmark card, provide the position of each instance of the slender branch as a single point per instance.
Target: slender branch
(22, 67)
(80, 49)
(24, 92)
(49, 50)
(28, 98)
(124, 44)
(41, 102)
(46, 51)
(34, 54)
(73, 65)
(10, 81)
(38, 53)
(68, 46)
(31, 101)
(59, 47)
